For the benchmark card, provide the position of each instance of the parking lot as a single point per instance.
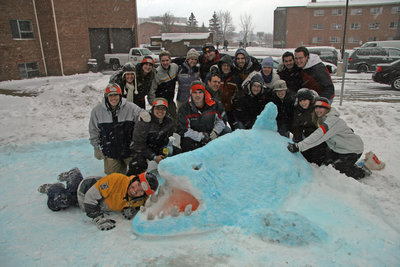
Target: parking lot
(361, 87)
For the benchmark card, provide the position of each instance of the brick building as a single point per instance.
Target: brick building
(322, 23)
(154, 28)
(57, 37)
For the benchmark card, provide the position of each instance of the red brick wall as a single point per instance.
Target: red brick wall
(13, 52)
(74, 18)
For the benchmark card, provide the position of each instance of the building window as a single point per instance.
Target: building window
(319, 12)
(375, 10)
(355, 26)
(28, 70)
(354, 40)
(317, 40)
(334, 40)
(373, 26)
(370, 39)
(336, 26)
(394, 25)
(396, 10)
(318, 26)
(337, 12)
(21, 29)
(356, 11)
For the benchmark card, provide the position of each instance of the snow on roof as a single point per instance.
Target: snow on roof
(177, 37)
(352, 3)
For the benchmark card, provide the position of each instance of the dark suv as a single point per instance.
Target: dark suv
(364, 59)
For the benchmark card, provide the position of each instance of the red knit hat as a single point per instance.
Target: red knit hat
(197, 85)
(322, 102)
(112, 89)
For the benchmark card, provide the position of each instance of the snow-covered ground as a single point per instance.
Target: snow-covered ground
(46, 134)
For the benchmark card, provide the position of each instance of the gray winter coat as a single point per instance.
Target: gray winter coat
(337, 135)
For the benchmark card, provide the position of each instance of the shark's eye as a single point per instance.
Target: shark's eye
(196, 167)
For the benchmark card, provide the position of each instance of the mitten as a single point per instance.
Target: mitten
(293, 147)
(213, 135)
(144, 116)
(205, 139)
(104, 223)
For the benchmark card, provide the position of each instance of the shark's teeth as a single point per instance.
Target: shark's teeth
(142, 209)
(154, 198)
(188, 210)
(175, 211)
(161, 190)
(150, 216)
(161, 215)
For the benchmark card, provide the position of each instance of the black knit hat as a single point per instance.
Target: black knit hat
(152, 180)
(305, 94)
(208, 47)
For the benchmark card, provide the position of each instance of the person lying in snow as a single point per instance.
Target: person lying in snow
(97, 195)
(344, 146)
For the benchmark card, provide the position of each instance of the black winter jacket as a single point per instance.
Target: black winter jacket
(149, 138)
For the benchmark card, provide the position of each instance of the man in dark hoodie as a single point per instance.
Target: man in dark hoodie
(290, 72)
(243, 65)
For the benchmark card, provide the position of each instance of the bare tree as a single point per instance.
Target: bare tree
(247, 27)
(226, 24)
(168, 21)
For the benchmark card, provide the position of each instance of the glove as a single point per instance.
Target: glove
(293, 147)
(129, 212)
(205, 139)
(98, 154)
(144, 116)
(213, 135)
(104, 223)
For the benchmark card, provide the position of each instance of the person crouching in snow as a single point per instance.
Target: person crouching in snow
(344, 146)
(126, 79)
(98, 195)
(284, 101)
(199, 119)
(151, 139)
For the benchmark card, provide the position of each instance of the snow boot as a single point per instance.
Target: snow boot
(72, 177)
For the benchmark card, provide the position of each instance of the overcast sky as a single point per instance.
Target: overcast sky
(262, 11)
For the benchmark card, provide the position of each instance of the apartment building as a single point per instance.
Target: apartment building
(322, 23)
(58, 37)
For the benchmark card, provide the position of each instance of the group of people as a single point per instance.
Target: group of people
(216, 94)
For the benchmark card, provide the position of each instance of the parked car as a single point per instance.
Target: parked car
(135, 56)
(388, 74)
(364, 59)
(391, 43)
(325, 53)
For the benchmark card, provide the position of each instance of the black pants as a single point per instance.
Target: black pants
(316, 154)
(345, 163)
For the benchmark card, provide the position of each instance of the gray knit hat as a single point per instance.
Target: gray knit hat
(192, 54)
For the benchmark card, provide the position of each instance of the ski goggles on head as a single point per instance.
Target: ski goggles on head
(145, 184)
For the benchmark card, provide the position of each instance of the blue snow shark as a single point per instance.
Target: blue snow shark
(241, 179)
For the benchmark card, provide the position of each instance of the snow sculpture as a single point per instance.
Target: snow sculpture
(239, 180)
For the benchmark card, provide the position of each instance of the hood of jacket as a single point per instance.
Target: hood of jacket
(313, 60)
(246, 57)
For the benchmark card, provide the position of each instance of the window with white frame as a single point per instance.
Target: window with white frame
(336, 26)
(376, 10)
(354, 40)
(355, 26)
(373, 25)
(316, 40)
(356, 11)
(319, 12)
(393, 25)
(334, 39)
(396, 10)
(337, 12)
(318, 26)
(28, 70)
(21, 29)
